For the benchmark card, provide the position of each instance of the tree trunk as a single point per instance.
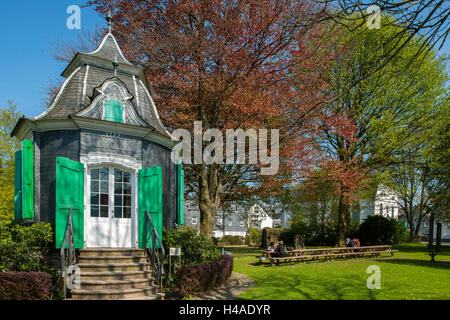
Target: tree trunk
(343, 218)
(209, 198)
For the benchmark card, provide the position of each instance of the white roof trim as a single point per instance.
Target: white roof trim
(55, 100)
(103, 43)
(136, 91)
(85, 82)
(158, 120)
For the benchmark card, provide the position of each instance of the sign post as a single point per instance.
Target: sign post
(174, 252)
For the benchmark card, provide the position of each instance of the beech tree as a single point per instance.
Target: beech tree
(230, 65)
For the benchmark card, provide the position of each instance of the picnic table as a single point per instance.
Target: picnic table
(303, 255)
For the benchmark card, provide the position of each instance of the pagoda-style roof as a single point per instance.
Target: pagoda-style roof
(86, 76)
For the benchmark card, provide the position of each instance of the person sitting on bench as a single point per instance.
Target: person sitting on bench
(280, 251)
(271, 247)
(357, 244)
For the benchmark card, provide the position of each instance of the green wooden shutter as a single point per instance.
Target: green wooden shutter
(150, 199)
(118, 112)
(69, 193)
(18, 186)
(113, 111)
(180, 194)
(27, 180)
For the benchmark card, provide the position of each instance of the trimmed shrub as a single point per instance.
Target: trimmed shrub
(380, 230)
(25, 286)
(203, 277)
(231, 240)
(195, 248)
(254, 237)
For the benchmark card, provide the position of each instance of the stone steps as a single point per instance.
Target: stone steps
(117, 284)
(111, 259)
(116, 294)
(98, 252)
(115, 273)
(94, 267)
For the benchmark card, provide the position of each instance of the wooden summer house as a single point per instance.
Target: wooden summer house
(101, 149)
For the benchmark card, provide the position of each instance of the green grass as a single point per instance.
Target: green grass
(409, 274)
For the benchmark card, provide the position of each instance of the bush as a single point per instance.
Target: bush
(231, 240)
(270, 235)
(195, 248)
(288, 237)
(380, 230)
(202, 277)
(25, 286)
(24, 248)
(254, 237)
(314, 235)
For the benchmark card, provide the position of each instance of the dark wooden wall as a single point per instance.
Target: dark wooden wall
(52, 144)
(73, 143)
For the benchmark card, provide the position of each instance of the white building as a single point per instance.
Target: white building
(386, 203)
(258, 218)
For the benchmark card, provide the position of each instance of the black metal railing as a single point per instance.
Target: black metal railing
(69, 258)
(154, 249)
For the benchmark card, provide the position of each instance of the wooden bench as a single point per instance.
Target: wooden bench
(303, 255)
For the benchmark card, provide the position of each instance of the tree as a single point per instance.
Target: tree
(8, 147)
(386, 110)
(227, 64)
(428, 20)
(410, 183)
(421, 174)
(376, 230)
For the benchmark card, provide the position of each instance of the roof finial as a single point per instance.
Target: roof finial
(109, 20)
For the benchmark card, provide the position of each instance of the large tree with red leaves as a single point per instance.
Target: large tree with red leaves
(229, 64)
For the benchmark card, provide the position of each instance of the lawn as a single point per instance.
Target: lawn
(409, 274)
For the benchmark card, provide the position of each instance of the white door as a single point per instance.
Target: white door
(111, 208)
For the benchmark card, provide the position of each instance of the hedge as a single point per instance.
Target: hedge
(203, 277)
(25, 286)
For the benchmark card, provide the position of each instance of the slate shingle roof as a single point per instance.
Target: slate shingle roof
(78, 91)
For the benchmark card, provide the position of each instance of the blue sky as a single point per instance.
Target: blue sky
(27, 30)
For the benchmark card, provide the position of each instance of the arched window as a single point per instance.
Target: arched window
(113, 111)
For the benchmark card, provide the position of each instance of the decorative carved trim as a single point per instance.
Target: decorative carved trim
(113, 89)
(105, 159)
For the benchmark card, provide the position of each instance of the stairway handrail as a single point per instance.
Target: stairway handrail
(70, 258)
(155, 260)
